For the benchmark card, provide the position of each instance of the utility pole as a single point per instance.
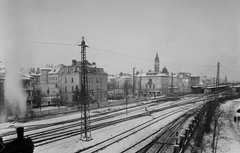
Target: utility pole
(216, 101)
(217, 82)
(171, 89)
(85, 109)
(140, 85)
(133, 91)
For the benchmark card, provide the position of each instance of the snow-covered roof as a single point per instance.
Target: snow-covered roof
(55, 70)
(194, 76)
(157, 74)
(29, 72)
(24, 76)
(46, 68)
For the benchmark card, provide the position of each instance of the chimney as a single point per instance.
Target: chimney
(94, 63)
(74, 62)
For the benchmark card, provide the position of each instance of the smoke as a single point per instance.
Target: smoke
(14, 95)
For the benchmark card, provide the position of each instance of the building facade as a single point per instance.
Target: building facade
(152, 84)
(70, 77)
(182, 80)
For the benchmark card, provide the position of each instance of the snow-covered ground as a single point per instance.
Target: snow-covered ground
(7, 126)
(73, 144)
(229, 139)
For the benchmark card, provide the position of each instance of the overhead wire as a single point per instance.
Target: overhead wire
(208, 70)
(143, 58)
(95, 48)
(39, 42)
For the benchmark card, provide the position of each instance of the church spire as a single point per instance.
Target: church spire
(156, 63)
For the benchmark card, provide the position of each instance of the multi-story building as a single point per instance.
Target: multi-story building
(152, 83)
(182, 80)
(44, 75)
(70, 77)
(195, 80)
(123, 78)
(27, 87)
(205, 81)
(34, 73)
(53, 75)
(49, 84)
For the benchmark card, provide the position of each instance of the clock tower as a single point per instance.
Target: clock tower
(156, 63)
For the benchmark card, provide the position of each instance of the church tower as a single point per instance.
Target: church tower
(156, 63)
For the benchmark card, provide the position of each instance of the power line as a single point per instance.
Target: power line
(142, 58)
(207, 70)
(39, 42)
(52, 43)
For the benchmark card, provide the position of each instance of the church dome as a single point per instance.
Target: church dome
(164, 70)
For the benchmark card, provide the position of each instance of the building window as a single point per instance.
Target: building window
(65, 88)
(72, 80)
(146, 86)
(66, 96)
(92, 80)
(48, 91)
(153, 86)
(72, 88)
(97, 80)
(65, 80)
(100, 80)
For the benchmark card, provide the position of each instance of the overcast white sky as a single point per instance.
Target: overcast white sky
(189, 35)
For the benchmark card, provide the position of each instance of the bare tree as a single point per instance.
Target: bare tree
(112, 85)
(76, 96)
(38, 97)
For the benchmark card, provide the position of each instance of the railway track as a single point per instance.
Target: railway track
(52, 137)
(56, 134)
(95, 118)
(102, 145)
(164, 139)
(160, 134)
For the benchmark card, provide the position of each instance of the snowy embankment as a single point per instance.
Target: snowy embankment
(229, 138)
